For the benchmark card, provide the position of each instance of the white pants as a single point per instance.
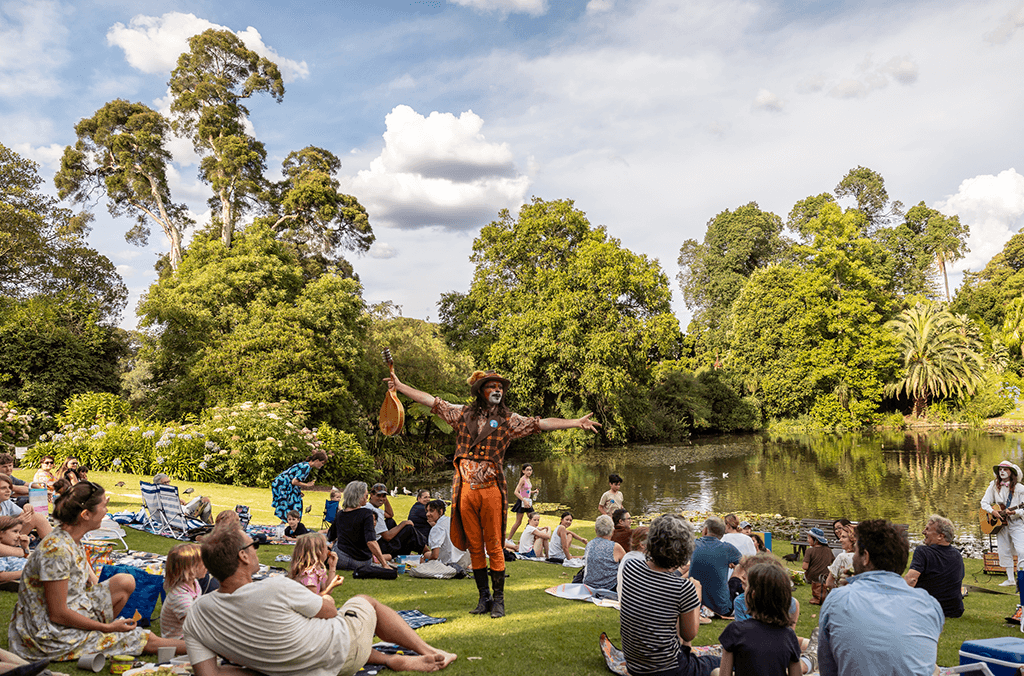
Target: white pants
(1010, 541)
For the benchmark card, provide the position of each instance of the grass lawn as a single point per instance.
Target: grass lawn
(541, 634)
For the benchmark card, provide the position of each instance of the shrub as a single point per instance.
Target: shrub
(114, 447)
(94, 408)
(185, 453)
(347, 461)
(15, 426)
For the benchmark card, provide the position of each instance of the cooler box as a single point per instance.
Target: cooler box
(1004, 656)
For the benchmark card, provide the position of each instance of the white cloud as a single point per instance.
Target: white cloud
(152, 44)
(1013, 20)
(32, 47)
(765, 100)
(992, 206)
(382, 250)
(406, 81)
(901, 68)
(871, 77)
(126, 271)
(531, 7)
(438, 170)
(598, 6)
(48, 156)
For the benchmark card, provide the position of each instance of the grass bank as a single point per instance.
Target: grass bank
(541, 634)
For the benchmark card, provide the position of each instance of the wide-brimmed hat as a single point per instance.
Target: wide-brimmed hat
(818, 535)
(480, 378)
(1008, 465)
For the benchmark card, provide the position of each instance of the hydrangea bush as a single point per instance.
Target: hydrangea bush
(246, 444)
(15, 427)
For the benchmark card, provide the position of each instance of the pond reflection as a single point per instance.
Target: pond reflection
(902, 476)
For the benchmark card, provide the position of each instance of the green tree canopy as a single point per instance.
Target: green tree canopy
(938, 358)
(121, 151)
(243, 323)
(713, 272)
(569, 316)
(208, 87)
(43, 247)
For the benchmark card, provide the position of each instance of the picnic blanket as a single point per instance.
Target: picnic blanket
(616, 661)
(414, 619)
(581, 592)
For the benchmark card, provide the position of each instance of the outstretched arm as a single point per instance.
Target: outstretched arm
(584, 423)
(416, 395)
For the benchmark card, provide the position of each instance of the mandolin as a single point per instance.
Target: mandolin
(991, 523)
(392, 413)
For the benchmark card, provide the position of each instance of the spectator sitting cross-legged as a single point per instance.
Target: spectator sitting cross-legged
(439, 545)
(353, 531)
(710, 565)
(938, 567)
(280, 628)
(602, 557)
(418, 513)
(660, 611)
(394, 539)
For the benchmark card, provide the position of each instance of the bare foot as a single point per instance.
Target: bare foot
(420, 662)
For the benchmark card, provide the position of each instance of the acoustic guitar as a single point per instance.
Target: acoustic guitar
(991, 523)
(392, 413)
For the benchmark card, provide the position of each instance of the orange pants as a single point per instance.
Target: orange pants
(481, 511)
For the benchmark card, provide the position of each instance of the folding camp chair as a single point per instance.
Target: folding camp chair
(166, 515)
(330, 512)
(108, 530)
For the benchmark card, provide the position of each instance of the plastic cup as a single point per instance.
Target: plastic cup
(165, 654)
(92, 662)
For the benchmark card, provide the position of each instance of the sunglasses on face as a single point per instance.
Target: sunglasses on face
(253, 544)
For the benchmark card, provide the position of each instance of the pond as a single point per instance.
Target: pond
(901, 476)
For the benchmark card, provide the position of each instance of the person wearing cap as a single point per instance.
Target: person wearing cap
(394, 539)
(484, 429)
(817, 559)
(197, 508)
(1004, 498)
(286, 488)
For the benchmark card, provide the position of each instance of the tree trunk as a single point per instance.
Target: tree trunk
(920, 403)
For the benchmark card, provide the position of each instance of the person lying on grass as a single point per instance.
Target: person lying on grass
(277, 626)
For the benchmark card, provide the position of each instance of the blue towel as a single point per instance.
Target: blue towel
(416, 619)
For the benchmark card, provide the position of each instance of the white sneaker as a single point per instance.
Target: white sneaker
(509, 543)
(1007, 583)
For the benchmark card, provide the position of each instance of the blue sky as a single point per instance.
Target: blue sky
(653, 116)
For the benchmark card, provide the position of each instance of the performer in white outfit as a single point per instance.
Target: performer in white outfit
(1007, 490)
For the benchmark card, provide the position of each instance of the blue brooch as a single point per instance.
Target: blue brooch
(494, 423)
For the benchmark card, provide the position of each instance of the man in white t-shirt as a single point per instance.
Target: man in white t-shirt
(280, 628)
(439, 544)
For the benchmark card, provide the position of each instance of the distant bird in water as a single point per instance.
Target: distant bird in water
(672, 467)
(725, 475)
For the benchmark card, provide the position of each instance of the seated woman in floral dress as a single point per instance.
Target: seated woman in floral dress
(63, 611)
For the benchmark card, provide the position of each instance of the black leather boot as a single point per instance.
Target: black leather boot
(480, 575)
(498, 603)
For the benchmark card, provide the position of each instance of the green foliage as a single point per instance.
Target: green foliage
(54, 348)
(986, 294)
(208, 87)
(938, 358)
(806, 335)
(347, 461)
(124, 447)
(996, 394)
(15, 426)
(713, 272)
(244, 324)
(569, 316)
(709, 400)
(121, 151)
(43, 249)
(92, 408)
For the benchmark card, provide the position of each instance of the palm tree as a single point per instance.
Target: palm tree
(938, 359)
(1013, 324)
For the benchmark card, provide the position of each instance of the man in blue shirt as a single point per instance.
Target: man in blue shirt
(877, 625)
(710, 566)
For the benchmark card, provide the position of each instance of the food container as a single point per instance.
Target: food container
(121, 663)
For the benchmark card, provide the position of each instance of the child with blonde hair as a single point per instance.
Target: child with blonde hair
(308, 567)
(181, 574)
